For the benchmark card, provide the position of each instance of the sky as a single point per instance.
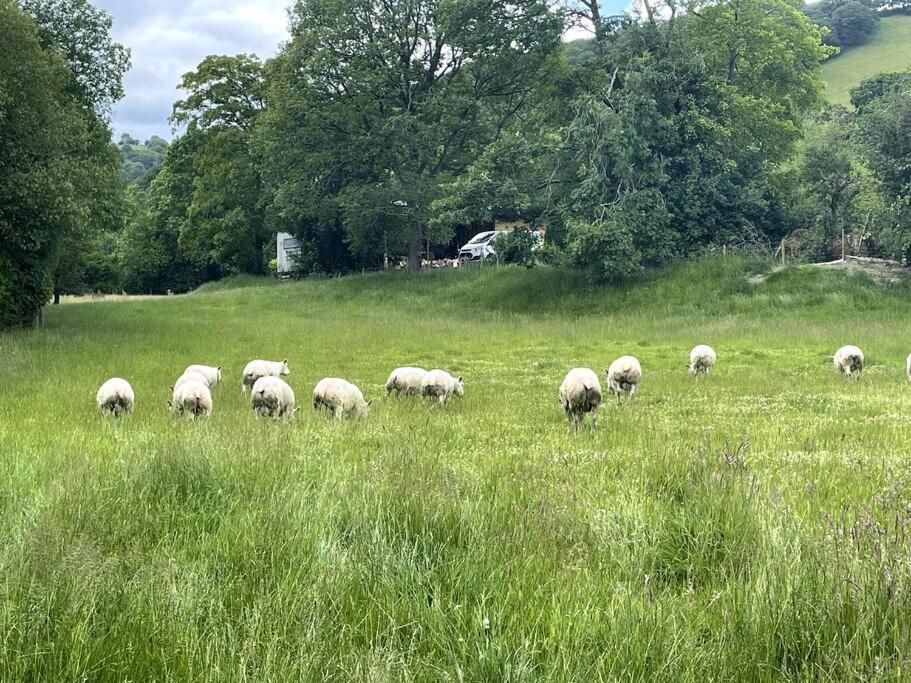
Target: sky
(170, 37)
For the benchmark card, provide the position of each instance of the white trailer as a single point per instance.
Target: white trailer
(286, 250)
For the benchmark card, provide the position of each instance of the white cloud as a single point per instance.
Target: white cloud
(170, 37)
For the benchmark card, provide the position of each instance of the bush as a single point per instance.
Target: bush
(604, 251)
(517, 246)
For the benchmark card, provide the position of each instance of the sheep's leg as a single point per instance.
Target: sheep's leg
(632, 391)
(594, 417)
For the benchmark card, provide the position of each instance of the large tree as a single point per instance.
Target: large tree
(79, 33)
(375, 104)
(226, 214)
(58, 170)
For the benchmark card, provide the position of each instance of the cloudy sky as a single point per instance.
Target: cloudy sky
(170, 37)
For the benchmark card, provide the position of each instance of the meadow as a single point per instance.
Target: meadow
(748, 525)
(888, 50)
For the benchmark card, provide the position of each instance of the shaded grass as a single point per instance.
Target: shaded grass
(888, 50)
(750, 525)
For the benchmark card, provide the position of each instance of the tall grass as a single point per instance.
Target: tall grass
(750, 525)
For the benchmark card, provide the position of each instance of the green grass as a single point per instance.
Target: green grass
(749, 525)
(888, 50)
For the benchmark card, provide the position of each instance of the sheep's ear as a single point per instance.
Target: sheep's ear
(218, 368)
(370, 401)
(285, 361)
(462, 380)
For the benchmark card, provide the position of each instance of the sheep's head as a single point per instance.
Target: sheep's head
(364, 408)
(218, 374)
(460, 387)
(285, 369)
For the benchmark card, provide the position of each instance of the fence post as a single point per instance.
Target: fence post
(782, 252)
(842, 245)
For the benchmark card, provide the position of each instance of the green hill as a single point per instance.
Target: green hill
(751, 524)
(889, 50)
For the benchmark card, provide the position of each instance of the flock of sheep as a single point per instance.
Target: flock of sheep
(271, 396)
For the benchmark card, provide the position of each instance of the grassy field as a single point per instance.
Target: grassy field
(889, 50)
(749, 525)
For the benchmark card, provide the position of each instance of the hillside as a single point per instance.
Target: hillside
(889, 50)
(751, 524)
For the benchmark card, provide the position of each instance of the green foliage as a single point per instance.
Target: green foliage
(58, 181)
(517, 246)
(850, 22)
(141, 161)
(81, 33)
(392, 113)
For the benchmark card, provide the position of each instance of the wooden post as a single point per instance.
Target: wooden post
(782, 251)
(842, 245)
(724, 250)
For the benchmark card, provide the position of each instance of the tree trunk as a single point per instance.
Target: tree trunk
(39, 317)
(414, 246)
(56, 298)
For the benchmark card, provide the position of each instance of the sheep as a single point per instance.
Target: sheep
(263, 368)
(190, 376)
(440, 385)
(272, 397)
(702, 359)
(115, 397)
(849, 359)
(339, 397)
(192, 398)
(580, 393)
(211, 373)
(623, 376)
(405, 381)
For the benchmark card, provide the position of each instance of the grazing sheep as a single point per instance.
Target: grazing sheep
(849, 359)
(115, 397)
(440, 385)
(339, 397)
(272, 397)
(405, 381)
(702, 359)
(263, 368)
(580, 393)
(210, 372)
(190, 376)
(623, 376)
(191, 398)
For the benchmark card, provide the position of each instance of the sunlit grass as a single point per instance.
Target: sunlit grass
(747, 525)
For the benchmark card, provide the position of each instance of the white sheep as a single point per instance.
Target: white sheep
(190, 376)
(440, 385)
(115, 397)
(263, 368)
(580, 393)
(849, 359)
(405, 381)
(272, 397)
(623, 376)
(210, 372)
(339, 397)
(908, 366)
(192, 398)
(702, 359)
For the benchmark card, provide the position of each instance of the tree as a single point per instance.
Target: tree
(141, 162)
(388, 101)
(226, 214)
(81, 33)
(57, 166)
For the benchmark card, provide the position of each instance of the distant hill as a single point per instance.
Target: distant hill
(888, 50)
